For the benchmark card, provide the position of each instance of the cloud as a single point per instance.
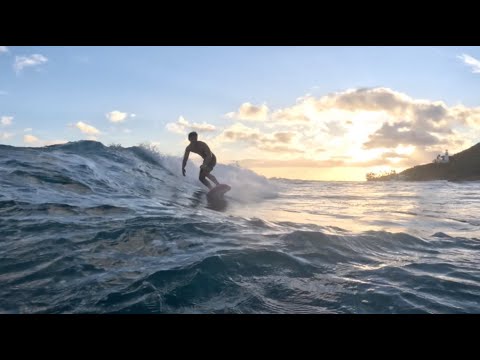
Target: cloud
(6, 135)
(284, 137)
(280, 142)
(6, 120)
(366, 99)
(389, 136)
(116, 116)
(433, 112)
(30, 139)
(289, 115)
(3, 49)
(279, 148)
(418, 122)
(250, 112)
(175, 128)
(202, 127)
(410, 121)
(182, 126)
(472, 62)
(356, 127)
(22, 62)
(297, 113)
(27, 129)
(87, 129)
(240, 132)
(336, 128)
(133, 115)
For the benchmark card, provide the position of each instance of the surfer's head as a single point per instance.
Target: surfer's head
(193, 136)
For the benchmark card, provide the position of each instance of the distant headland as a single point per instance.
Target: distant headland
(464, 166)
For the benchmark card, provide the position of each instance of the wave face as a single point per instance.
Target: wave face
(86, 228)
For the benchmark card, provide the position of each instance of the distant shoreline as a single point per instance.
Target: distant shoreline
(464, 166)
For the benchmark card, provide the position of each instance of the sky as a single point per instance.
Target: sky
(316, 113)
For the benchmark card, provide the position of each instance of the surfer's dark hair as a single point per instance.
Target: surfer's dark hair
(192, 134)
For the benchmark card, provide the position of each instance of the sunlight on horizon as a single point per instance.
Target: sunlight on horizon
(318, 174)
(315, 113)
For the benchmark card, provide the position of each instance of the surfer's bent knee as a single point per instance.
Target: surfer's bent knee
(202, 175)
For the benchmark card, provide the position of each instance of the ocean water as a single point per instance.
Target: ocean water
(86, 228)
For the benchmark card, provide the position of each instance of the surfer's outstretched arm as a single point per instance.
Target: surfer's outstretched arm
(185, 158)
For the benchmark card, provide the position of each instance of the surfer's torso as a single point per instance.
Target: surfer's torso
(200, 148)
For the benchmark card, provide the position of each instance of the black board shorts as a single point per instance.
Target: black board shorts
(209, 167)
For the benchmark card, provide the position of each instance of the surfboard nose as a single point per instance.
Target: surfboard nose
(219, 190)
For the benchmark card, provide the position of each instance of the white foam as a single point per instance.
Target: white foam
(247, 186)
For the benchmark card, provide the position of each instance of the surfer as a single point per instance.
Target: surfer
(209, 159)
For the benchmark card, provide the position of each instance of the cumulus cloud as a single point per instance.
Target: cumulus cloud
(336, 128)
(419, 121)
(297, 113)
(182, 126)
(22, 62)
(175, 128)
(250, 112)
(366, 99)
(240, 132)
(365, 126)
(6, 120)
(87, 129)
(389, 136)
(472, 62)
(3, 49)
(116, 116)
(284, 137)
(30, 139)
(281, 141)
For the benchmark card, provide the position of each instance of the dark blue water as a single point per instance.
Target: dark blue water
(86, 228)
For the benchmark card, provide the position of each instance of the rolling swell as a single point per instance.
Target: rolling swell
(87, 228)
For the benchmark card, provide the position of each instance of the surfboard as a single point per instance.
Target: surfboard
(218, 191)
